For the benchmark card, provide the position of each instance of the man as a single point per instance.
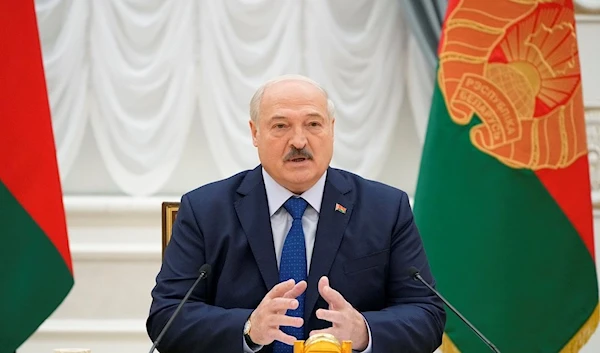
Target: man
(296, 247)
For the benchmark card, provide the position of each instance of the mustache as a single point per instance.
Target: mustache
(297, 153)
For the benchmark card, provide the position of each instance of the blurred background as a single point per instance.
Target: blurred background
(150, 98)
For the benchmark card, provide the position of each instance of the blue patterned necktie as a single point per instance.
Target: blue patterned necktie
(293, 265)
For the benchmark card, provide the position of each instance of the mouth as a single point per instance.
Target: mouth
(298, 160)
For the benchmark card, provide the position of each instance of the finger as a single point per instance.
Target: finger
(324, 282)
(280, 289)
(332, 316)
(282, 304)
(283, 337)
(285, 320)
(298, 289)
(331, 296)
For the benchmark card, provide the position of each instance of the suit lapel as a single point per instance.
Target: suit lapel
(330, 231)
(253, 212)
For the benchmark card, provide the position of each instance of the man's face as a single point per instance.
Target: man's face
(294, 134)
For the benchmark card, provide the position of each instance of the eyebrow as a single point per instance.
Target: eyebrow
(282, 117)
(315, 115)
(277, 117)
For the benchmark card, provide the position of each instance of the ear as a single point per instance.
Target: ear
(332, 127)
(254, 132)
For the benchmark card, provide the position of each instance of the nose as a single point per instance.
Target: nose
(298, 140)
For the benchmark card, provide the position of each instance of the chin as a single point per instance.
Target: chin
(300, 177)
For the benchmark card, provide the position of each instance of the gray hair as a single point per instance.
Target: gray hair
(257, 97)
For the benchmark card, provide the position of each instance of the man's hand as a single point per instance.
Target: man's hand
(348, 323)
(270, 314)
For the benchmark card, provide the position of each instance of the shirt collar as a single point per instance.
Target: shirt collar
(277, 195)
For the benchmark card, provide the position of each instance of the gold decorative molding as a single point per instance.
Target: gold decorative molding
(592, 118)
(587, 6)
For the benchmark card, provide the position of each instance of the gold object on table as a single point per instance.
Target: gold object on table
(322, 343)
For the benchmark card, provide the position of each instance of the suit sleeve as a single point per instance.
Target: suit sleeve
(199, 327)
(414, 318)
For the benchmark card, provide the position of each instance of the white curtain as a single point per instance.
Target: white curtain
(242, 43)
(357, 50)
(421, 80)
(141, 72)
(62, 25)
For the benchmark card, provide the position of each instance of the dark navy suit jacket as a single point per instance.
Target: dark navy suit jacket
(366, 253)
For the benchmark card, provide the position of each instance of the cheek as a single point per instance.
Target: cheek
(321, 145)
(272, 148)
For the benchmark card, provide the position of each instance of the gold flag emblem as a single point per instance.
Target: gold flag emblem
(515, 64)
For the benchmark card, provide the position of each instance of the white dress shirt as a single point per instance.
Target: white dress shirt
(281, 222)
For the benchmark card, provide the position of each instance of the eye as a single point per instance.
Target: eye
(314, 124)
(279, 126)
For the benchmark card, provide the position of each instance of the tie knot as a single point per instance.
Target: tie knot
(295, 206)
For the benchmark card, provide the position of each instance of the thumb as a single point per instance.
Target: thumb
(324, 283)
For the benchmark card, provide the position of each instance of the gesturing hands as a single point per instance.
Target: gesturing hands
(271, 313)
(348, 323)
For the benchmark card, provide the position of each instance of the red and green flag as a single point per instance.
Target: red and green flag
(503, 199)
(36, 271)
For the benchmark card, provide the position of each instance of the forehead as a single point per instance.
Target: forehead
(293, 96)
